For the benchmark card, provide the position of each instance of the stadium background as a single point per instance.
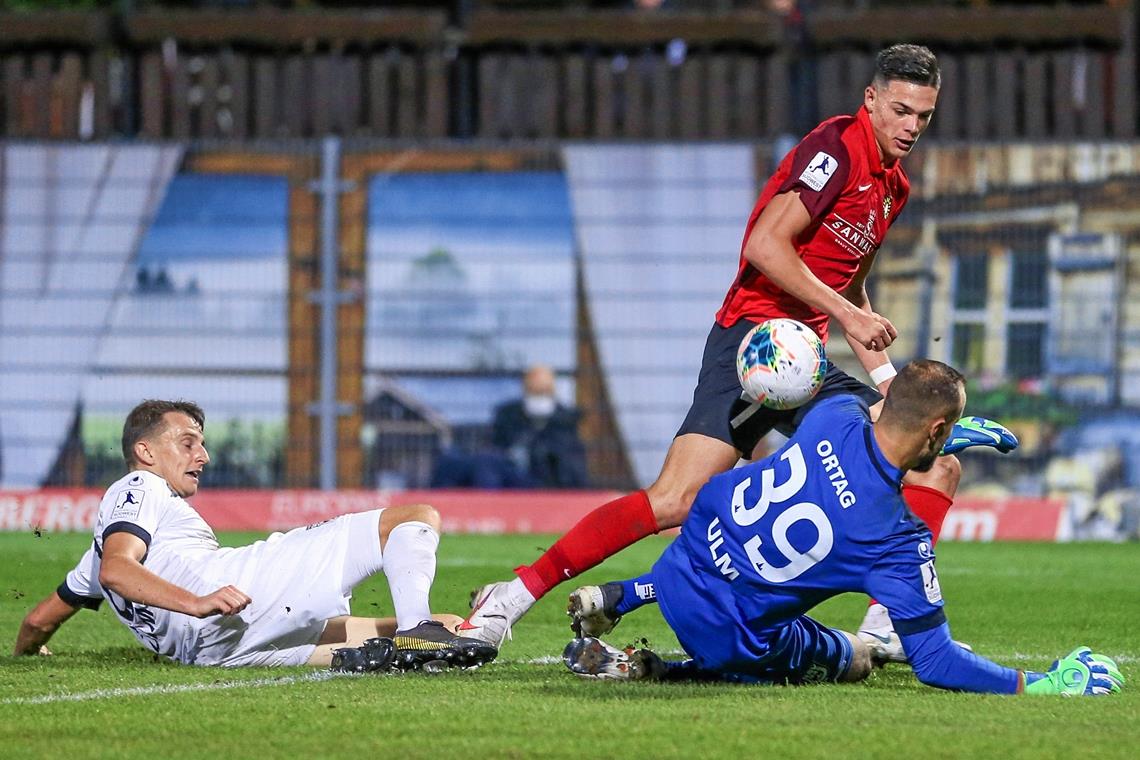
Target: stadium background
(191, 195)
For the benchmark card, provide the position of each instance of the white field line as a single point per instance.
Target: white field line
(1045, 660)
(324, 675)
(250, 683)
(146, 691)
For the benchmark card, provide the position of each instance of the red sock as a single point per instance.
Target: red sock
(600, 534)
(930, 505)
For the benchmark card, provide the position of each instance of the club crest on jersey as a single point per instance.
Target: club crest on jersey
(888, 201)
(819, 170)
(128, 503)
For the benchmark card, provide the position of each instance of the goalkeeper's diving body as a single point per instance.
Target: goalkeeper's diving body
(767, 542)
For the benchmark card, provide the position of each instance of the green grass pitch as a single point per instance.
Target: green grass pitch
(1021, 604)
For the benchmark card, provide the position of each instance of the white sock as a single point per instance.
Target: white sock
(409, 565)
(517, 590)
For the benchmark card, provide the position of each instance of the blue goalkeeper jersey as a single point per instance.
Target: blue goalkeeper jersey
(766, 542)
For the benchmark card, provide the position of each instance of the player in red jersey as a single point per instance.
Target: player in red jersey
(807, 249)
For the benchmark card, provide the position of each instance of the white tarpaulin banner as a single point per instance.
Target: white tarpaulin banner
(654, 219)
(71, 219)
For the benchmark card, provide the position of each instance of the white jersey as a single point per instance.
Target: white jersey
(81, 586)
(177, 538)
(296, 580)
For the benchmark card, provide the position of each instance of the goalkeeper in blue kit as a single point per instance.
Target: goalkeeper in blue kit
(767, 542)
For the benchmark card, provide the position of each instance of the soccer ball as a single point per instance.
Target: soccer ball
(781, 363)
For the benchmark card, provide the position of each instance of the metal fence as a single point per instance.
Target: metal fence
(350, 312)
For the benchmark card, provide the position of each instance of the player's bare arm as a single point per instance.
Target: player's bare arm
(771, 249)
(41, 623)
(874, 362)
(123, 573)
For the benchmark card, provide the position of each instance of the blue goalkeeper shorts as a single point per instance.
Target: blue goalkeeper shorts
(801, 651)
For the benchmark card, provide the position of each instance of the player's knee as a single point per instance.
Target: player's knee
(424, 513)
(860, 666)
(943, 476)
(670, 505)
(393, 516)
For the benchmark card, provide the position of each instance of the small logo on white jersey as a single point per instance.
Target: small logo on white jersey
(930, 582)
(865, 187)
(137, 480)
(128, 504)
(819, 171)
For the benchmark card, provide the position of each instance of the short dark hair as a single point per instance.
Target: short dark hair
(146, 419)
(923, 390)
(907, 63)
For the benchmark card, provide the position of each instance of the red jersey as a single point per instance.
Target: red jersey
(852, 199)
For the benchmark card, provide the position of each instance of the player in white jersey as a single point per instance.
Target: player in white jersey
(281, 601)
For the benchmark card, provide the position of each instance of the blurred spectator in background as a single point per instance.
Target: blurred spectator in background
(535, 444)
(539, 435)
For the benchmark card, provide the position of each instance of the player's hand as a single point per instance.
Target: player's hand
(1080, 673)
(978, 431)
(227, 600)
(874, 331)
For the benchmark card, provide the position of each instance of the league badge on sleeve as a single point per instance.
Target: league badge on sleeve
(128, 504)
(819, 170)
(930, 582)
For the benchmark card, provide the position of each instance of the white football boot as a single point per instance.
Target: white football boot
(494, 609)
(878, 633)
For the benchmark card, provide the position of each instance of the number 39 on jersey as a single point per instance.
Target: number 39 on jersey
(772, 555)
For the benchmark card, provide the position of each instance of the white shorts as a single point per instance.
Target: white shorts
(296, 581)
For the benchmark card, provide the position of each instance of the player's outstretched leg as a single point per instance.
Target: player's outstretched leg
(692, 459)
(605, 531)
(593, 658)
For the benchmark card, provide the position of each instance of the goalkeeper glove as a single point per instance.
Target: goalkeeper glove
(978, 431)
(1081, 673)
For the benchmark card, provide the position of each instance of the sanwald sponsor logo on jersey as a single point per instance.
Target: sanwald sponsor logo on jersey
(854, 237)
